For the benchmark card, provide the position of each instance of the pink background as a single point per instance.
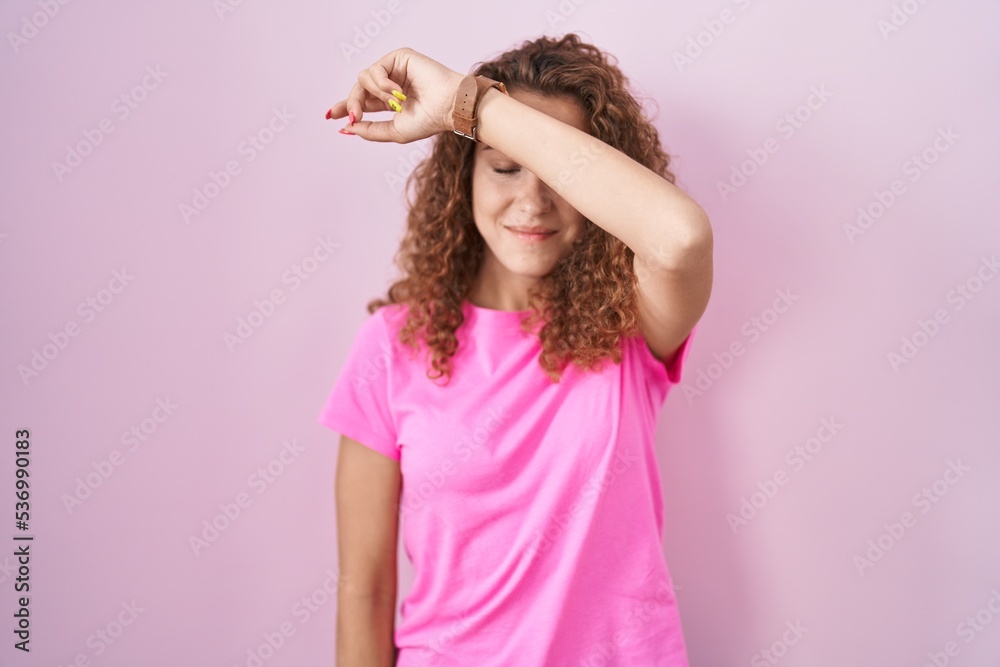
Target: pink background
(222, 78)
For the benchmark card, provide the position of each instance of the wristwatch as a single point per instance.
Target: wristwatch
(470, 91)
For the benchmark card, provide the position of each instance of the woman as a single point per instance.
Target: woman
(501, 404)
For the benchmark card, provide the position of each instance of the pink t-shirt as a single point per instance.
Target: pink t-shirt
(531, 511)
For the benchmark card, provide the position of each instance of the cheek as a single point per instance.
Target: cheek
(575, 222)
(489, 204)
(484, 213)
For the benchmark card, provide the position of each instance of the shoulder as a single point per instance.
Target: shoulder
(372, 336)
(386, 317)
(390, 319)
(379, 332)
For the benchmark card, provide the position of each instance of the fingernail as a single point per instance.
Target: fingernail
(351, 116)
(399, 95)
(329, 113)
(344, 130)
(394, 105)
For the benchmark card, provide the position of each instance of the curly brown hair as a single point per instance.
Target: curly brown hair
(587, 302)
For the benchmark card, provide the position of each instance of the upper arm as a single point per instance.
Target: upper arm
(671, 299)
(368, 485)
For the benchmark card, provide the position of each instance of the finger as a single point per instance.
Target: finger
(382, 130)
(358, 100)
(394, 62)
(380, 76)
(341, 108)
(371, 85)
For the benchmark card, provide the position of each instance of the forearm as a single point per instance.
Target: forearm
(365, 628)
(646, 212)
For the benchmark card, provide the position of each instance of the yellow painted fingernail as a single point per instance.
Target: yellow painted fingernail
(394, 105)
(399, 95)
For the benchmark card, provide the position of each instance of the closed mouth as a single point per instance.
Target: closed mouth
(532, 230)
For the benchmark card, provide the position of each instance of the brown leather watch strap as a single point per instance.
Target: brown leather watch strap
(470, 91)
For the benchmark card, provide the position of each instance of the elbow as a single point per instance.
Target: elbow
(698, 239)
(680, 248)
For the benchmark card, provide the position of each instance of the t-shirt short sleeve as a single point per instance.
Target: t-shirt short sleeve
(664, 374)
(358, 405)
(675, 365)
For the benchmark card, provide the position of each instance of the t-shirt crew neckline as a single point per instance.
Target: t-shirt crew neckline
(501, 319)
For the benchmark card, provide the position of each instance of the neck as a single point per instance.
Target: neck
(510, 294)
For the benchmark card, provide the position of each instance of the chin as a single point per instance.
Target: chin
(530, 269)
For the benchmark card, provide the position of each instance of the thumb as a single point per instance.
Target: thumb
(381, 130)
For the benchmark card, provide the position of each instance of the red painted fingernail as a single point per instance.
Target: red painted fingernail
(344, 130)
(329, 114)
(351, 116)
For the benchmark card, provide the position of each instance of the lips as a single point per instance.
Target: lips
(532, 230)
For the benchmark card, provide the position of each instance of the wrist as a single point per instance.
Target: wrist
(485, 109)
(449, 120)
(468, 98)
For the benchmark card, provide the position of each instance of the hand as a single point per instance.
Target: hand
(429, 88)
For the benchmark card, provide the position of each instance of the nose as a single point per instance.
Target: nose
(535, 196)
